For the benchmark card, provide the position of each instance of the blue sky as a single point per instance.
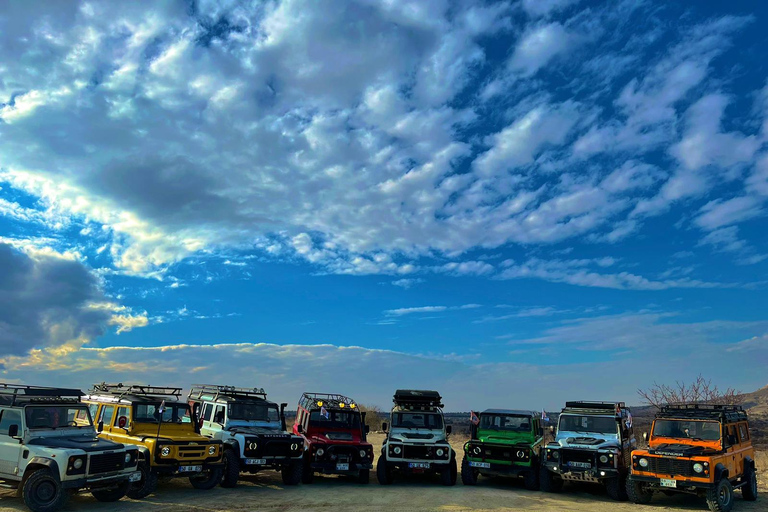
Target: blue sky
(562, 197)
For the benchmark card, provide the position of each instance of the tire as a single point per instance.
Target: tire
(549, 482)
(531, 480)
(307, 475)
(617, 488)
(112, 495)
(638, 492)
(449, 475)
(383, 473)
(364, 476)
(749, 490)
(231, 469)
(293, 473)
(720, 497)
(146, 485)
(43, 492)
(468, 474)
(208, 480)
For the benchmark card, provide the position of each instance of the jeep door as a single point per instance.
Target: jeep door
(104, 422)
(214, 418)
(10, 448)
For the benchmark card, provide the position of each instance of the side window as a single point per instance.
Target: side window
(207, 412)
(93, 408)
(9, 417)
(107, 411)
(123, 417)
(743, 432)
(731, 429)
(218, 417)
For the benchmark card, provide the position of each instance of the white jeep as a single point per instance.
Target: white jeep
(49, 449)
(417, 440)
(252, 430)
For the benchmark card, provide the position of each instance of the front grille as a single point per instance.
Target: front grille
(499, 452)
(667, 466)
(423, 452)
(106, 463)
(343, 453)
(276, 449)
(192, 451)
(577, 456)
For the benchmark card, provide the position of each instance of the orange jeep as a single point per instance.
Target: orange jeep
(696, 449)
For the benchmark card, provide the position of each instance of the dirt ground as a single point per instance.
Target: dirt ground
(265, 491)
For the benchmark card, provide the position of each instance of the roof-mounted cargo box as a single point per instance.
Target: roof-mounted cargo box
(416, 397)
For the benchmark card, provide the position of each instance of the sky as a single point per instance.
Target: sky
(515, 203)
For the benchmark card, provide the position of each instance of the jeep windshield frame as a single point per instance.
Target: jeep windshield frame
(687, 429)
(253, 412)
(506, 422)
(178, 413)
(589, 424)
(425, 420)
(54, 416)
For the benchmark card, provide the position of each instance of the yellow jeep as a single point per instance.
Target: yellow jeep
(154, 419)
(697, 449)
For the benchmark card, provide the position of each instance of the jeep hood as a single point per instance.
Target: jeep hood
(679, 450)
(87, 444)
(336, 437)
(259, 431)
(587, 441)
(505, 437)
(417, 435)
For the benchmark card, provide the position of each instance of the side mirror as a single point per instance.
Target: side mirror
(100, 426)
(472, 431)
(448, 429)
(13, 430)
(645, 436)
(384, 426)
(282, 416)
(299, 428)
(541, 431)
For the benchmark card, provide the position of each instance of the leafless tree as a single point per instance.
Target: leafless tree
(373, 416)
(700, 391)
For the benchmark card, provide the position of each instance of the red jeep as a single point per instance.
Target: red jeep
(334, 433)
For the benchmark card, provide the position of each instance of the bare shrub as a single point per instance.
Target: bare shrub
(700, 391)
(374, 416)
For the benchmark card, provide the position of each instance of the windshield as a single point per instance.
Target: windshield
(173, 413)
(417, 420)
(243, 411)
(686, 429)
(57, 416)
(588, 424)
(335, 419)
(505, 422)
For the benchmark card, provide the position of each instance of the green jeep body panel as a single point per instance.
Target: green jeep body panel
(507, 451)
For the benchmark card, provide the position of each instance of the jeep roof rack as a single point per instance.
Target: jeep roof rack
(703, 411)
(14, 394)
(511, 412)
(310, 401)
(136, 391)
(214, 392)
(417, 397)
(593, 407)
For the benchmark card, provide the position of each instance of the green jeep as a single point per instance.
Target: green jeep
(504, 443)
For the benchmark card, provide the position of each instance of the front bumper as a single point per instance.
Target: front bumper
(497, 468)
(254, 463)
(685, 485)
(176, 470)
(594, 474)
(100, 481)
(333, 467)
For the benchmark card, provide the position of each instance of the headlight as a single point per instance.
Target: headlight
(555, 454)
(397, 450)
(77, 464)
(440, 452)
(320, 452)
(476, 450)
(604, 459)
(643, 462)
(698, 467)
(362, 454)
(166, 451)
(252, 446)
(520, 454)
(211, 449)
(127, 457)
(294, 447)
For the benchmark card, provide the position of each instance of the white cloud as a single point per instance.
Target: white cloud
(719, 213)
(539, 45)
(407, 283)
(536, 8)
(428, 309)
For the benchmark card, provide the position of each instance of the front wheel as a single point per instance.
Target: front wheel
(638, 492)
(292, 474)
(617, 488)
(449, 474)
(720, 497)
(146, 485)
(43, 492)
(207, 480)
(531, 480)
(749, 490)
(231, 469)
(549, 482)
(112, 495)
(468, 473)
(383, 473)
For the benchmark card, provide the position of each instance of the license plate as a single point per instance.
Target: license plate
(418, 465)
(486, 465)
(342, 467)
(135, 476)
(666, 482)
(256, 461)
(190, 469)
(583, 465)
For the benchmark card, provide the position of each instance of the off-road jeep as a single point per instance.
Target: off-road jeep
(704, 450)
(49, 448)
(160, 425)
(417, 441)
(334, 433)
(504, 443)
(593, 444)
(252, 429)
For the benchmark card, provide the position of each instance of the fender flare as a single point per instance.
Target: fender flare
(720, 471)
(143, 453)
(232, 444)
(36, 462)
(749, 462)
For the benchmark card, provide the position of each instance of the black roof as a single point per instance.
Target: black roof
(310, 401)
(703, 412)
(590, 407)
(136, 392)
(418, 397)
(17, 394)
(227, 393)
(511, 412)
